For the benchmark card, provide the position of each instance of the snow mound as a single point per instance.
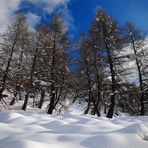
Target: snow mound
(71, 130)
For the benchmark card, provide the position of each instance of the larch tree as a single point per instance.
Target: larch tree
(87, 74)
(18, 61)
(111, 44)
(96, 54)
(10, 44)
(31, 64)
(59, 42)
(136, 40)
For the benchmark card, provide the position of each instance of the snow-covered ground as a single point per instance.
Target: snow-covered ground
(20, 129)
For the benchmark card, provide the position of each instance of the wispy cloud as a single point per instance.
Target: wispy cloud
(42, 8)
(32, 20)
(67, 16)
(46, 7)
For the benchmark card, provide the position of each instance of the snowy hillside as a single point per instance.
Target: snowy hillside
(31, 130)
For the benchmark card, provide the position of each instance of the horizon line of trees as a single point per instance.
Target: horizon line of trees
(36, 64)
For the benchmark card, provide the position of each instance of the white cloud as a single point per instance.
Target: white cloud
(32, 20)
(49, 5)
(52, 4)
(67, 17)
(7, 8)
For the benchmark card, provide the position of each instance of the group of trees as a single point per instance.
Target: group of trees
(109, 55)
(37, 62)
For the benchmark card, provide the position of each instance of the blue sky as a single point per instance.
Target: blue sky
(83, 11)
(80, 13)
(77, 14)
(136, 11)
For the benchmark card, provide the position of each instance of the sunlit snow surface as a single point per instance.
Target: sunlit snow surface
(71, 130)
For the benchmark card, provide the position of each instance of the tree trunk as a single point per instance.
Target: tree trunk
(33, 104)
(52, 100)
(96, 109)
(88, 106)
(51, 105)
(14, 99)
(20, 96)
(140, 77)
(89, 85)
(8, 63)
(58, 97)
(113, 82)
(41, 100)
(31, 78)
(87, 109)
(75, 98)
(98, 80)
(111, 108)
(142, 104)
(25, 102)
(105, 109)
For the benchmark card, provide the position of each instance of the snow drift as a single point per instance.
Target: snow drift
(28, 130)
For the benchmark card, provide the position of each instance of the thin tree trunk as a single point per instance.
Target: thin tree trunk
(111, 108)
(142, 111)
(105, 109)
(112, 105)
(140, 78)
(52, 100)
(59, 96)
(8, 65)
(41, 100)
(88, 106)
(65, 94)
(51, 105)
(20, 96)
(96, 110)
(13, 101)
(25, 102)
(61, 89)
(18, 85)
(89, 84)
(31, 78)
(113, 82)
(17, 90)
(33, 104)
(74, 100)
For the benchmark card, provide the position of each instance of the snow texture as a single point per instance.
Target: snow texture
(71, 130)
